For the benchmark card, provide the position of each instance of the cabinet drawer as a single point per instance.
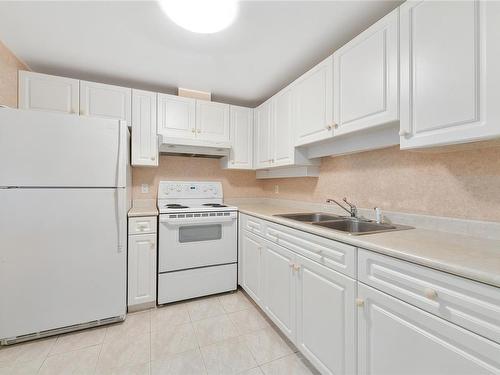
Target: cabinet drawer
(332, 254)
(470, 304)
(252, 224)
(141, 225)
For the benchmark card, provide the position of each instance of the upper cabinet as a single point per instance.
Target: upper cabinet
(312, 103)
(241, 136)
(365, 78)
(450, 75)
(176, 116)
(48, 93)
(283, 137)
(212, 121)
(262, 135)
(101, 100)
(144, 133)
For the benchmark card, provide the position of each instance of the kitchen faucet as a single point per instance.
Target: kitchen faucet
(352, 210)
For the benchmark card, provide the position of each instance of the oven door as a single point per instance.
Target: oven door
(197, 241)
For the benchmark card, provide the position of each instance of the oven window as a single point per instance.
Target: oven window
(195, 233)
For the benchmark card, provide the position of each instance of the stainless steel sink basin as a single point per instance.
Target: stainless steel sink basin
(356, 227)
(315, 217)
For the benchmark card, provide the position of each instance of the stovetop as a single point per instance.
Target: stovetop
(187, 196)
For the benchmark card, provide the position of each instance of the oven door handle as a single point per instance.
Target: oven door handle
(196, 221)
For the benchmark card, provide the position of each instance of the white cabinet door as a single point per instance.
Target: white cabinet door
(262, 137)
(326, 318)
(141, 268)
(283, 147)
(108, 101)
(397, 338)
(144, 138)
(251, 265)
(366, 91)
(176, 116)
(212, 121)
(48, 93)
(279, 287)
(241, 135)
(450, 75)
(312, 99)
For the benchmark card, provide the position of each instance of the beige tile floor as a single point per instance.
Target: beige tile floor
(223, 334)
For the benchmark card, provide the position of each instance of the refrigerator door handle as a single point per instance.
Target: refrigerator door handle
(121, 214)
(122, 147)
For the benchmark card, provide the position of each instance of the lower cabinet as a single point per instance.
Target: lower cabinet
(439, 324)
(310, 303)
(279, 286)
(251, 259)
(326, 317)
(141, 268)
(397, 338)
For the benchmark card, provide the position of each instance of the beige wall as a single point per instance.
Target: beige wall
(463, 184)
(236, 184)
(9, 65)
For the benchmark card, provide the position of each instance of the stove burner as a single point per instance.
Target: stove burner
(215, 205)
(175, 206)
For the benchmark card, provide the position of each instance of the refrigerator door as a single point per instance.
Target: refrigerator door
(41, 149)
(62, 258)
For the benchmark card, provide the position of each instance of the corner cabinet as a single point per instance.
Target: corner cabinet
(241, 138)
(450, 75)
(365, 78)
(43, 92)
(142, 262)
(312, 103)
(144, 133)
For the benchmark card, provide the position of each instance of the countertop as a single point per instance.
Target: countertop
(474, 258)
(143, 207)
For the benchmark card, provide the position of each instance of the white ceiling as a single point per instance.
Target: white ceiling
(133, 44)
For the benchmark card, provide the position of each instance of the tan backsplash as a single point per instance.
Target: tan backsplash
(9, 65)
(460, 184)
(236, 184)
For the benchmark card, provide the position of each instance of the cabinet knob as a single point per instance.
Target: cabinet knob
(404, 133)
(199, 131)
(360, 302)
(328, 127)
(193, 130)
(153, 157)
(153, 245)
(430, 293)
(296, 267)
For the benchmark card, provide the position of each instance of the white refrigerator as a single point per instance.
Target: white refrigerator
(63, 222)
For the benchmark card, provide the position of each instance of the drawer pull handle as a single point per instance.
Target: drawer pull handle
(430, 293)
(360, 302)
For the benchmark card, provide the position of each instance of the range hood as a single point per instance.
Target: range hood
(193, 147)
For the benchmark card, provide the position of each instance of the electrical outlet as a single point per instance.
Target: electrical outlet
(144, 188)
(276, 189)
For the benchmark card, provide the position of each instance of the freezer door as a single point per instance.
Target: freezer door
(61, 262)
(59, 150)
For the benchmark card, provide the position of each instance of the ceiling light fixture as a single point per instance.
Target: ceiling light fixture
(201, 16)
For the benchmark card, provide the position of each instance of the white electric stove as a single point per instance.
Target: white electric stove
(197, 251)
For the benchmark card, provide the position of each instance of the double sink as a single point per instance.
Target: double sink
(346, 224)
